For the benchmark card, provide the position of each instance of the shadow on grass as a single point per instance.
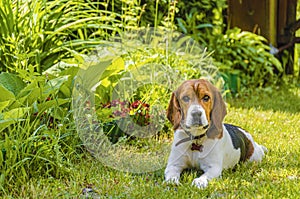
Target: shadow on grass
(283, 99)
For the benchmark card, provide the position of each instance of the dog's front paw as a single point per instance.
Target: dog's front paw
(200, 182)
(172, 180)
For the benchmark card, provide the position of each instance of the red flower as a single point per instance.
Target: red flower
(136, 104)
(138, 110)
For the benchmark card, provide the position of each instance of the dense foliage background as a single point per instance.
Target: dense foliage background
(42, 42)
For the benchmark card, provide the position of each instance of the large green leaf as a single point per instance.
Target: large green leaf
(52, 103)
(54, 85)
(116, 66)
(5, 94)
(12, 116)
(28, 95)
(12, 82)
(4, 104)
(90, 74)
(66, 88)
(38, 90)
(16, 113)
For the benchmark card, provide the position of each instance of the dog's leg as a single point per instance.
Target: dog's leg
(211, 170)
(176, 164)
(259, 152)
(172, 174)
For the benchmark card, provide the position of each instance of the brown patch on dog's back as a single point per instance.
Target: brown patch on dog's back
(250, 150)
(240, 141)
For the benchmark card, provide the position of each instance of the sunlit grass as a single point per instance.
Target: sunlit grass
(48, 161)
(275, 124)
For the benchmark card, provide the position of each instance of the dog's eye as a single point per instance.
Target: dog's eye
(206, 98)
(186, 98)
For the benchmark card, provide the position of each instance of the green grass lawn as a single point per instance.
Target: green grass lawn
(272, 117)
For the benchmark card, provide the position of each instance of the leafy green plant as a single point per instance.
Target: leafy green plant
(35, 127)
(246, 55)
(10, 86)
(242, 57)
(42, 33)
(201, 19)
(144, 13)
(155, 12)
(39, 42)
(189, 25)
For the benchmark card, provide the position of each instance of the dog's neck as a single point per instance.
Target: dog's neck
(196, 145)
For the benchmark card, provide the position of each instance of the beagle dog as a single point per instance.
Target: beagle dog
(196, 111)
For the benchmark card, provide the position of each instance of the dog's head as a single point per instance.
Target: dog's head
(197, 106)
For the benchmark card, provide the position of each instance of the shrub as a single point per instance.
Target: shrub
(245, 55)
(37, 134)
(41, 33)
(241, 56)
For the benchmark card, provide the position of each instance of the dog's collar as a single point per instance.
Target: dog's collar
(190, 138)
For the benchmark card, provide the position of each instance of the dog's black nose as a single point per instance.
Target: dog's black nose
(196, 114)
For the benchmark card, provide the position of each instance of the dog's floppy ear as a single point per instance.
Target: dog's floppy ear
(217, 114)
(173, 111)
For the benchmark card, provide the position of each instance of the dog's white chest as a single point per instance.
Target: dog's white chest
(196, 157)
(219, 151)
